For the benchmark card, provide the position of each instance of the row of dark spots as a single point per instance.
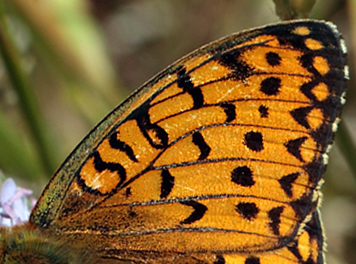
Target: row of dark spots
(249, 260)
(254, 141)
(249, 211)
(244, 177)
(241, 71)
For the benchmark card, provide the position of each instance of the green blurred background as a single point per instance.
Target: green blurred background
(76, 60)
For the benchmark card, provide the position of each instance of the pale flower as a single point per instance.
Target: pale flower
(15, 205)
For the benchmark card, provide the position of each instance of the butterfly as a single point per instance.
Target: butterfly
(217, 159)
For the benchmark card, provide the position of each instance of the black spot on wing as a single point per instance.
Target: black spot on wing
(254, 141)
(300, 115)
(230, 111)
(197, 214)
(128, 192)
(263, 110)
(252, 260)
(204, 148)
(167, 184)
(243, 176)
(273, 59)
(198, 98)
(293, 147)
(271, 86)
(219, 260)
(287, 181)
(248, 211)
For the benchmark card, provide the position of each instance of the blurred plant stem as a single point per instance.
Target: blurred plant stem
(347, 147)
(64, 38)
(24, 90)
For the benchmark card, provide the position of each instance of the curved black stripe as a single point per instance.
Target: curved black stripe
(100, 166)
(275, 219)
(230, 111)
(204, 148)
(120, 145)
(160, 139)
(184, 82)
(197, 214)
(167, 183)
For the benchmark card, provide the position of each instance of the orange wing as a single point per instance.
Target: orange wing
(217, 159)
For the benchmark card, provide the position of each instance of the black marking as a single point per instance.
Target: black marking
(184, 81)
(293, 147)
(160, 136)
(296, 41)
(334, 79)
(248, 211)
(239, 69)
(271, 86)
(300, 115)
(230, 111)
(254, 141)
(315, 170)
(287, 181)
(307, 61)
(219, 260)
(73, 205)
(252, 260)
(242, 176)
(314, 229)
(294, 250)
(132, 214)
(120, 145)
(263, 111)
(307, 89)
(275, 219)
(303, 205)
(128, 192)
(323, 136)
(197, 214)
(100, 166)
(204, 148)
(167, 184)
(198, 98)
(273, 58)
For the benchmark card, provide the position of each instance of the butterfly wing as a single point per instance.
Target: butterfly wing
(216, 159)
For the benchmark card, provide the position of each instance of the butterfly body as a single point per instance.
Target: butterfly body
(218, 159)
